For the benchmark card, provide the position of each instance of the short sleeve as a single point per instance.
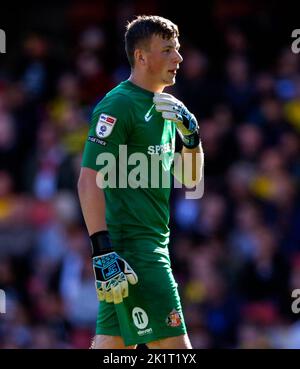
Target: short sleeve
(110, 127)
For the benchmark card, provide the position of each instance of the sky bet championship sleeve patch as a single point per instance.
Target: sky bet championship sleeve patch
(105, 125)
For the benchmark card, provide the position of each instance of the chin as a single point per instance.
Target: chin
(170, 83)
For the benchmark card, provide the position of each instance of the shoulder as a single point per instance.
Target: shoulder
(116, 103)
(118, 97)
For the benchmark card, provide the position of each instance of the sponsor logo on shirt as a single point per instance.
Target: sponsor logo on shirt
(105, 125)
(147, 115)
(161, 149)
(146, 331)
(141, 321)
(96, 140)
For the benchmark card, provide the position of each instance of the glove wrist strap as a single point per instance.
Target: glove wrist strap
(191, 141)
(101, 243)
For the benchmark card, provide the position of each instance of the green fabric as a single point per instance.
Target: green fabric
(137, 218)
(146, 314)
(134, 213)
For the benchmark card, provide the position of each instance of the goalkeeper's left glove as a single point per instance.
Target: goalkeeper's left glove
(186, 123)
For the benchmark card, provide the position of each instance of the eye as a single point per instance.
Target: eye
(167, 50)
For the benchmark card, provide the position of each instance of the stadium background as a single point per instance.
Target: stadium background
(236, 252)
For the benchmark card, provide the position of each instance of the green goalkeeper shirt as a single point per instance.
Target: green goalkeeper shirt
(125, 126)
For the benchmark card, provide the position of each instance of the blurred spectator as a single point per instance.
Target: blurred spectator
(238, 89)
(195, 83)
(287, 75)
(94, 81)
(37, 68)
(46, 168)
(265, 275)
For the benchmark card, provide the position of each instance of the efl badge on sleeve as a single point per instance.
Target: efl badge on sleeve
(173, 319)
(105, 125)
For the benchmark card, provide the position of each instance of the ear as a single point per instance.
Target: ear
(139, 56)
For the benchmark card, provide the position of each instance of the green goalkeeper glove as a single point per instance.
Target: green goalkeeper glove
(112, 273)
(186, 123)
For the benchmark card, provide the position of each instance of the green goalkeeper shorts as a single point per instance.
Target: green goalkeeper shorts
(152, 311)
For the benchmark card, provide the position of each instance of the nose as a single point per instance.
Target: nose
(179, 58)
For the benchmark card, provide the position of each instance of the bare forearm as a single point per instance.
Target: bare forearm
(92, 201)
(189, 169)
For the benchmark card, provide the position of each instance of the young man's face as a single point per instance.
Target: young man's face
(162, 60)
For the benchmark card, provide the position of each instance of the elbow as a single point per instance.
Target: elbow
(83, 183)
(80, 185)
(88, 180)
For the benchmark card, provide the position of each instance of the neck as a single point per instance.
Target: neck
(145, 83)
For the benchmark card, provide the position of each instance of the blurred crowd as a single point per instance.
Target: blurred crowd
(235, 252)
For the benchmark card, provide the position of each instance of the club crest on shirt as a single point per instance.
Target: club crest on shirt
(105, 125)
(173, 319)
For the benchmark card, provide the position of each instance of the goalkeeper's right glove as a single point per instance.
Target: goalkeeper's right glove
(112, 273)
(186, 123)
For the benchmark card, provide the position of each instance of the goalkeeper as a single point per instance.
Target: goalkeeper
(128, 227)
